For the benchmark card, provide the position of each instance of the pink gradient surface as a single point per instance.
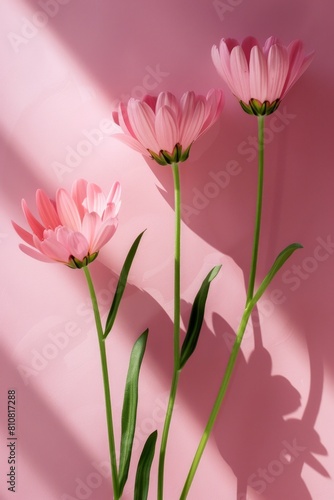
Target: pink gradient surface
(65, 65)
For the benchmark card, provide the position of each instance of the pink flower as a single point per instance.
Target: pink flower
(164, 127)
(73, 228)
(260, 77)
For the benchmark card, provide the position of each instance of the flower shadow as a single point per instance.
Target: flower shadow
(46, 446)
(265, 449)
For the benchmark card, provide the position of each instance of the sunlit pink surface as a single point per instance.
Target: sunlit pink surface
(65, 66)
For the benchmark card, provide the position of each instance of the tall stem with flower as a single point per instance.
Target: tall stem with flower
(164, 129)
(73, 230)
(176, 337)
(104, 365)
(259, 78)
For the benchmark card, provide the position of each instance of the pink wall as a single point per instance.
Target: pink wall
(63, 73)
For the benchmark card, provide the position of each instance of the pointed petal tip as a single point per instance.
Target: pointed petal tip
(35, 254)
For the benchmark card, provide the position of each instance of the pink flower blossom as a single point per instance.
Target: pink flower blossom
(164, 127)
(73, 228)
(260, 77)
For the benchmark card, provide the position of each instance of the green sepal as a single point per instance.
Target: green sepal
(158, 158)
(273, 106)
(166, 158)
(280, 260)
(129, 410)
(169, 157)
(144, 468)
(257, 108)
(121, 285)
(75, 263)
(185, 155)
(246, 108)
(196, 318)
(173, 157)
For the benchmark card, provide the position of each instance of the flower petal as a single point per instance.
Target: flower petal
(27, 237)
(46, 210)
(115, 117)
(36, 255)
(124, 121)
(169, 100)
(95, 231)
(67, 210)
(272, 40)
(298, 63)
(90, 226)
(278, 65)
(247, 45)
(133, 143)
(240, 74)
(151, 101)
(213, 107)
(113, 202)
(221, 60)
(142, 120)
(216, 100)
(79, 194)
(52, 248)
(95, 201)
(166, 128)
(192, 122)
(115, 192)
(35, 225)
(78, 245)
(258, 75)
(103, 234)
(229, 43)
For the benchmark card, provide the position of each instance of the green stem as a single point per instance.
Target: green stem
(250, 291)
(243, 324)
(177, 300)
(218, 402)
(105, 376)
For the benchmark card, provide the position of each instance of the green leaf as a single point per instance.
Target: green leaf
(144, 468)
(196, 318)
(129, 411)
(280, 260)
(121, 285)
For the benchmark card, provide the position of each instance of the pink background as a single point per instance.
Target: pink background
(63, 73)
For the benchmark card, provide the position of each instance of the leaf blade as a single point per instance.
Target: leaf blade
(129, 410)
(196, 317)
(144, 468)
(279, 261)
(121, 285)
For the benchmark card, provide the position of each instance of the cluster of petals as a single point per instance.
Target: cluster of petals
(165, 127)
(73, 228)
(260, 76)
